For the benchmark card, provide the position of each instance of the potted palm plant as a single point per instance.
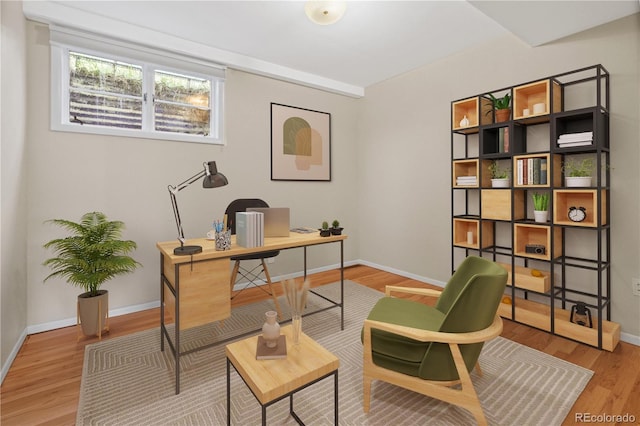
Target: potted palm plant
(540, 207)
(90, 256)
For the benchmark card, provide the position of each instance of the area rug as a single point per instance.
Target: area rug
(129, 381)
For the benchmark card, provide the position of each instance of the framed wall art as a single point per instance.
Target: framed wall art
(300, 144)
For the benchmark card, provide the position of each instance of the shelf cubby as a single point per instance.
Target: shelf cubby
(463, 169)
(563, 199)
(496, 204)
(529, 234)
(525, 280)
(476, 110)
(502, 139)
(528, 95)
(525, 168)
(584, 120)
(462, 226)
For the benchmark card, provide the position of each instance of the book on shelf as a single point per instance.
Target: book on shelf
(576, 143)
(536, 171)
(265, 352)
(543, 171)
(466, 180)
(580, 136)
(503, 139)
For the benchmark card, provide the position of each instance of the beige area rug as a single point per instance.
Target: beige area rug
(129, 381)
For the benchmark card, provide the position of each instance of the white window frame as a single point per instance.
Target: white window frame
(65, 40)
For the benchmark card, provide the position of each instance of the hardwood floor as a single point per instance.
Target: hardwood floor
(43, 384)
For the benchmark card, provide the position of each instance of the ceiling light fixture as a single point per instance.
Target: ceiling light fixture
(325, 12)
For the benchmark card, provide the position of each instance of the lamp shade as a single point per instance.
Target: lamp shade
(325, 12)
(213, 179)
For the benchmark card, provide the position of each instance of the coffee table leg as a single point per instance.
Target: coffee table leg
(228, 392)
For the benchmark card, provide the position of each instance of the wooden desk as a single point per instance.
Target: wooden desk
(195, 290)
(275, 379)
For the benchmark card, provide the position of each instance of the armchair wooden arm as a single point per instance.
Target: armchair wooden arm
(412, 290)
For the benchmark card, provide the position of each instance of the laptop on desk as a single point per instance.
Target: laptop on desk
(276, 220)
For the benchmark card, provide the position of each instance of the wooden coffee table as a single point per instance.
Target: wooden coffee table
(273, 380)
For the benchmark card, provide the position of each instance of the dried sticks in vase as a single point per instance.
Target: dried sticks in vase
(296, 295)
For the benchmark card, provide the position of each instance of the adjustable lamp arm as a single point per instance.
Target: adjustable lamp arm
(212, 179)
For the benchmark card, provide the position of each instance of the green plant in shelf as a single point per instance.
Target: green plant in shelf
(498, 172)
(540, 201)
(500, 103)
(578, 168)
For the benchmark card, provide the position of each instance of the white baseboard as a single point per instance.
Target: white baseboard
(12, 356)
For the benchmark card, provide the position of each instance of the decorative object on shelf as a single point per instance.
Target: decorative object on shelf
(539, 108)
(535, 249)
(212, 179)
(581, 315)
(526, 112)
(499, 176)
(577, 214)
(89, 257)
(296, 296)
(540, 207)
(536, 273)
(578, 173)
(325, 231)
(336, 229)
(300, 144)
(223, 240)
(501, 107)
(506, 300)
(464, 122)
(271, 329)
(470, 237)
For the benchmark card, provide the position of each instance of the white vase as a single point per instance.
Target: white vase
(464, 122)
(500, 183)
(577, 181)
(540, 216)
(271, 329)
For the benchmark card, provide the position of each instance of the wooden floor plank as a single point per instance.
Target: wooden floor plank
(43, 384)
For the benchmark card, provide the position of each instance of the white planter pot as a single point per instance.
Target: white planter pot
(540, 216)
(578, 181)
(500, 183)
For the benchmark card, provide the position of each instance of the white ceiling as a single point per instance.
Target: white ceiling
(374, 41)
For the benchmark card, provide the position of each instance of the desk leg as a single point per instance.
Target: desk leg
(341, 285)
(228, 392)
(305, 261)
(161, 302)
(177, 325)
(335, 397)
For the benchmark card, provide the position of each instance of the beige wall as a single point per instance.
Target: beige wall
(70, 174)
(405, 130)
(13, 210)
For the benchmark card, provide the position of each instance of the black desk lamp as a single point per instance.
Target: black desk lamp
(212, 179)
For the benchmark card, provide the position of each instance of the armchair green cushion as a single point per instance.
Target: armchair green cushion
(468, 302)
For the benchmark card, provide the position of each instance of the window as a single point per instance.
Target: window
(157, 96)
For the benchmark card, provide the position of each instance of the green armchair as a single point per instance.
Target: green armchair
(429, 349)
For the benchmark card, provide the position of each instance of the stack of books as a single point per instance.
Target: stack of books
(531, 171)
(467, 181)
(575, 139)
(250, 229)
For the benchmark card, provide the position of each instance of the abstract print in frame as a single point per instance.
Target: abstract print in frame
(300, 144)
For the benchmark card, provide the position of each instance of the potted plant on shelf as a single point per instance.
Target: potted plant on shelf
(499, 176)
(540, 207)
(502, 107)
(325, 231)
(90, 256)
(578, 172)
(336, 229)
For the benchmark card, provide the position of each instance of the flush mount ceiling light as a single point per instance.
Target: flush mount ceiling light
(325, 12)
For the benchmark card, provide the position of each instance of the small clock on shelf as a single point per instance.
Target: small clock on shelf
(577, 214)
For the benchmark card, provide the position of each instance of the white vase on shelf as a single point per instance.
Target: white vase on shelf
(464, 122)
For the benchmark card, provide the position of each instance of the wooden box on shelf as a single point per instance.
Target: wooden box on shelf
(530, 170)
(531, 313)
(527, 96)
(564, 199)
(465, 169)
(610, 330)
(496, 204)
(462, 226)
(474, 109)
(526, 281)
(536, 235)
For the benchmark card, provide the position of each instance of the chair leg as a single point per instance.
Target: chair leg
(273, 293)
(366, 393)
(234, 274)
(478, 369)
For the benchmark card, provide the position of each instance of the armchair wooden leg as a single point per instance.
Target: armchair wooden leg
(273, 293)
(366, 393)
(478, 369)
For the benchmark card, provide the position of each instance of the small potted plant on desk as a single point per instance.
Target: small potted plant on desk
(90, 256)
(499, 176)
(578, 173)
(325, 231)
(336, 229)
